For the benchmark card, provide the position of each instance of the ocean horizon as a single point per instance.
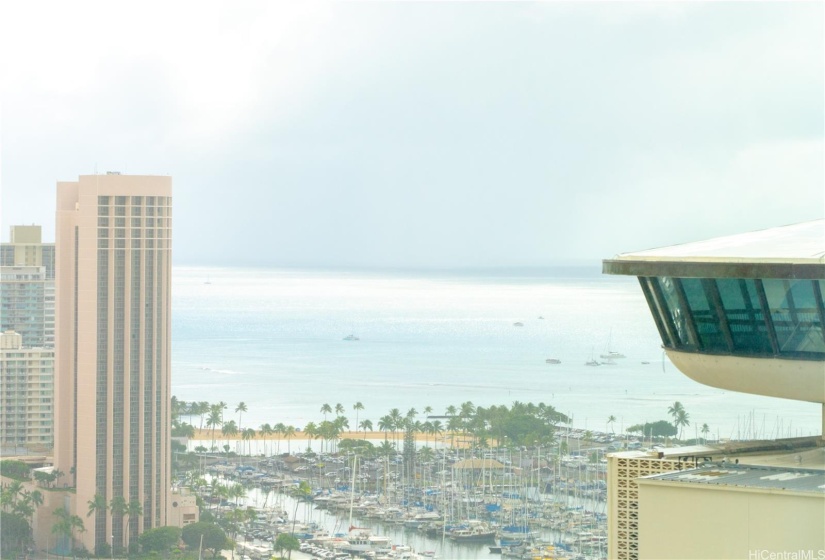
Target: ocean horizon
(274, 338)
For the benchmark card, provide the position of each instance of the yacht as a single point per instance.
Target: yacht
(351, 337)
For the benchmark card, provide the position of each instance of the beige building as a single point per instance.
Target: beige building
(112, 388)
(26, 396)
(735, 511)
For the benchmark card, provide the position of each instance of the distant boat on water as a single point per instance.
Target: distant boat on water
(552, 361)
(518, 324)
(592, 363)
(351, 337)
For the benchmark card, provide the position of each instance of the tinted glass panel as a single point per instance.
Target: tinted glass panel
(795, 315)
(675, 311)
(705, 315)
(744, 314)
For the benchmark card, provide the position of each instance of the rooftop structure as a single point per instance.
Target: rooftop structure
(743, 312)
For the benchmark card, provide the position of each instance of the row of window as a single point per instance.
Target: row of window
(135, 200)
(750, 317)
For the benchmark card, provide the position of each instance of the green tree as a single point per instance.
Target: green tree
(66, 525)
(611, 420)
(265, 431)
(97, 504)
(302, 492)
(326, 409)
(159, 540)
(214, 538)
(15, 534)
(15, 469)
(705, 429)
(286, 542)
(247, 435)
(675, 409)
(682, 419)
(357, 407)
(289, 433)
(366, 425)
(240, 409)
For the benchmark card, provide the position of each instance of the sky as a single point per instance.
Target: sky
(421, 134)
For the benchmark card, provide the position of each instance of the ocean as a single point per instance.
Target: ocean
(274, 339)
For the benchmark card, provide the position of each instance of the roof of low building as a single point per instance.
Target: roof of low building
(478, 464)
(748, 476)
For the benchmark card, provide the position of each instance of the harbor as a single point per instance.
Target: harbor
(527, 502)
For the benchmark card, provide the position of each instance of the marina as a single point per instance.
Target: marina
(524, 503)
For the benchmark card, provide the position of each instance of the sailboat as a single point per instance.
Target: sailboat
(611, 354)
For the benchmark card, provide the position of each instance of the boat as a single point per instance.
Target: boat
(361, 540)
(517, 324)
(612, 355)
(552, 361)
(592, 363)
(351, 337)
(475, 532)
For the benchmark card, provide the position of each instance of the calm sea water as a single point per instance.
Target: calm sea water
(273, 338)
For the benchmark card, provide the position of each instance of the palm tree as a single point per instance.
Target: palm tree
(682, 420)
(339, 409)
(326, 409)
(240, 409)
(436, 429)
(385, 425)
(302, 492)
(674, 410)
(289, 432)
(133, 511)
(97, 505)
(66, 525)
(365, 425)
(610, 420)
(213, 421)
(202, 409)
(357, 407)
(397, 422)
(311, 431)
(280, 430)
(265, 431)
(247, 435)
(118, 507)
(229, 429)
(428, 410)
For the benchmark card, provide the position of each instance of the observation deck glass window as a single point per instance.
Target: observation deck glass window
(746, 321)
(676, 312)
(795, 315)
(704, 313)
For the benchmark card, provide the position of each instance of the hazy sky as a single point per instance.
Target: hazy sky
(422, 134)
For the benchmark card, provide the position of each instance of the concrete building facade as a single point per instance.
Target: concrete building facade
(26, 397)
(112, 389)
(27, 287)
